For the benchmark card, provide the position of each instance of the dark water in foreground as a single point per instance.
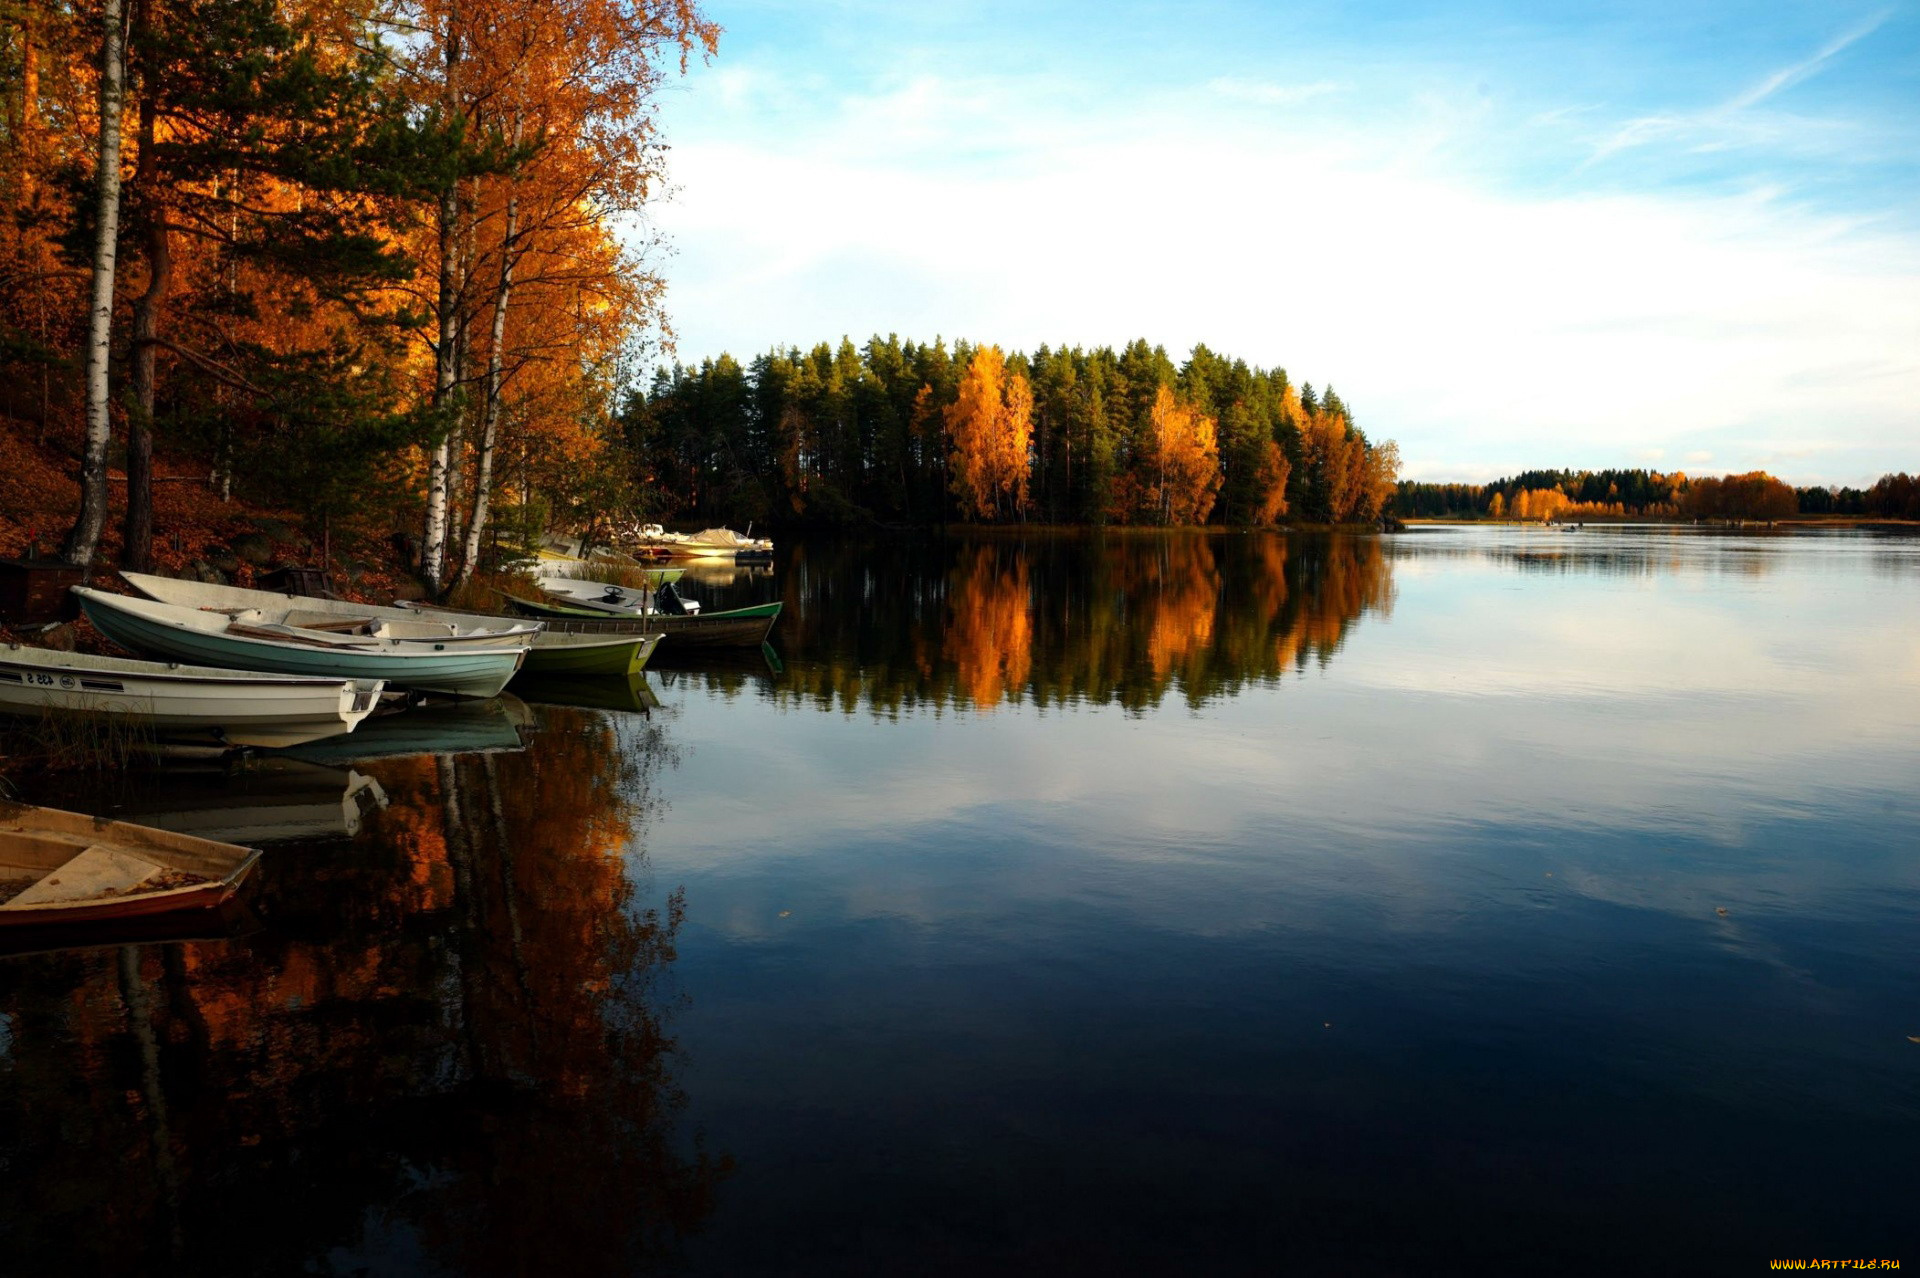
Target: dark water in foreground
(1471, 901)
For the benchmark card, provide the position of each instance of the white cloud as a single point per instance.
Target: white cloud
(1483, 330)
(1728, 122)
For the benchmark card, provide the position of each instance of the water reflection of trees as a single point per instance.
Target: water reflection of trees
(1611, 551)
(444, 1051)
(1057, 620)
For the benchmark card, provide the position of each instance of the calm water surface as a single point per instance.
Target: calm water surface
(1457, 902)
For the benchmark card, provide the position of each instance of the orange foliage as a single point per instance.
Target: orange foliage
(1540, 503)
(1270, 481)
(991, 429)
(1754, 495)
(1181, 470)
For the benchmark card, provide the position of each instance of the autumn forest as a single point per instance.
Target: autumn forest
(373, 266)
(379, 270)
(375, 277)
(906, 432)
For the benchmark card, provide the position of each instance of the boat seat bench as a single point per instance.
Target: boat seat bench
(96, 872)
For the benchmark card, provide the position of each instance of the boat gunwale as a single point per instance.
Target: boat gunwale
(518, 628)
(396, 651)
(459, 670)
(173, 672)
(689, 621)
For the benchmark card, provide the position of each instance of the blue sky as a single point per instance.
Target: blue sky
(1683, 235)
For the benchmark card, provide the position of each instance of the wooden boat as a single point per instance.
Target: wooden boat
(551, 654)
(63, 867)
(223, 922)
(230, 707)
(732, 628)
(621, 601)
(556, 653)
(452, 666)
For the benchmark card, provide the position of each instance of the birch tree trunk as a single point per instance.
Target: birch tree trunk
(433, 549)
(433, 554)
(490, 411)
(84, 540)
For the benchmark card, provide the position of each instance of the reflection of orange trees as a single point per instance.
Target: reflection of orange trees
(1122, 619)
(989, 633)
(1353, 577)
(1179, 598)
(450, 1023)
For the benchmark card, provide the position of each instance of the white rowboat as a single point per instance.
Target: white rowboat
(233, 707)
(553, 652)
(350, 621)
(619, 601)
(460, 666)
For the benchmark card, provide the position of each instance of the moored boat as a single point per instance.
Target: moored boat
(453, 666)
(569, 654)
(552, 653)
(64, 867)
(732, 628)
(621, 601)
(333, 616)
(228, 706)
(711, 543)
(562, 554)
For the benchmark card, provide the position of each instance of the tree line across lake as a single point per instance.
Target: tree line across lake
(1600, 494)
(920, 433)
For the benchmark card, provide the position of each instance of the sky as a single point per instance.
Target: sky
(1676, 235)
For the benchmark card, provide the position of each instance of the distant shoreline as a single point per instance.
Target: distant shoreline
(1609, 521)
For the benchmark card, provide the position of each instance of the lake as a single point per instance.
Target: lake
(1467, 900)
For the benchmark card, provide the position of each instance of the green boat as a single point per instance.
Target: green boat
(567, 655)
(733, 628)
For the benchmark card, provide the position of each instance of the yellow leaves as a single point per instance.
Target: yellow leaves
(1181, 471)
(991, 428)
(1540, 503)
(1270, 482)
(1754, 495)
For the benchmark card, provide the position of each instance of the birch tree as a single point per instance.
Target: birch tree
(83, 542)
